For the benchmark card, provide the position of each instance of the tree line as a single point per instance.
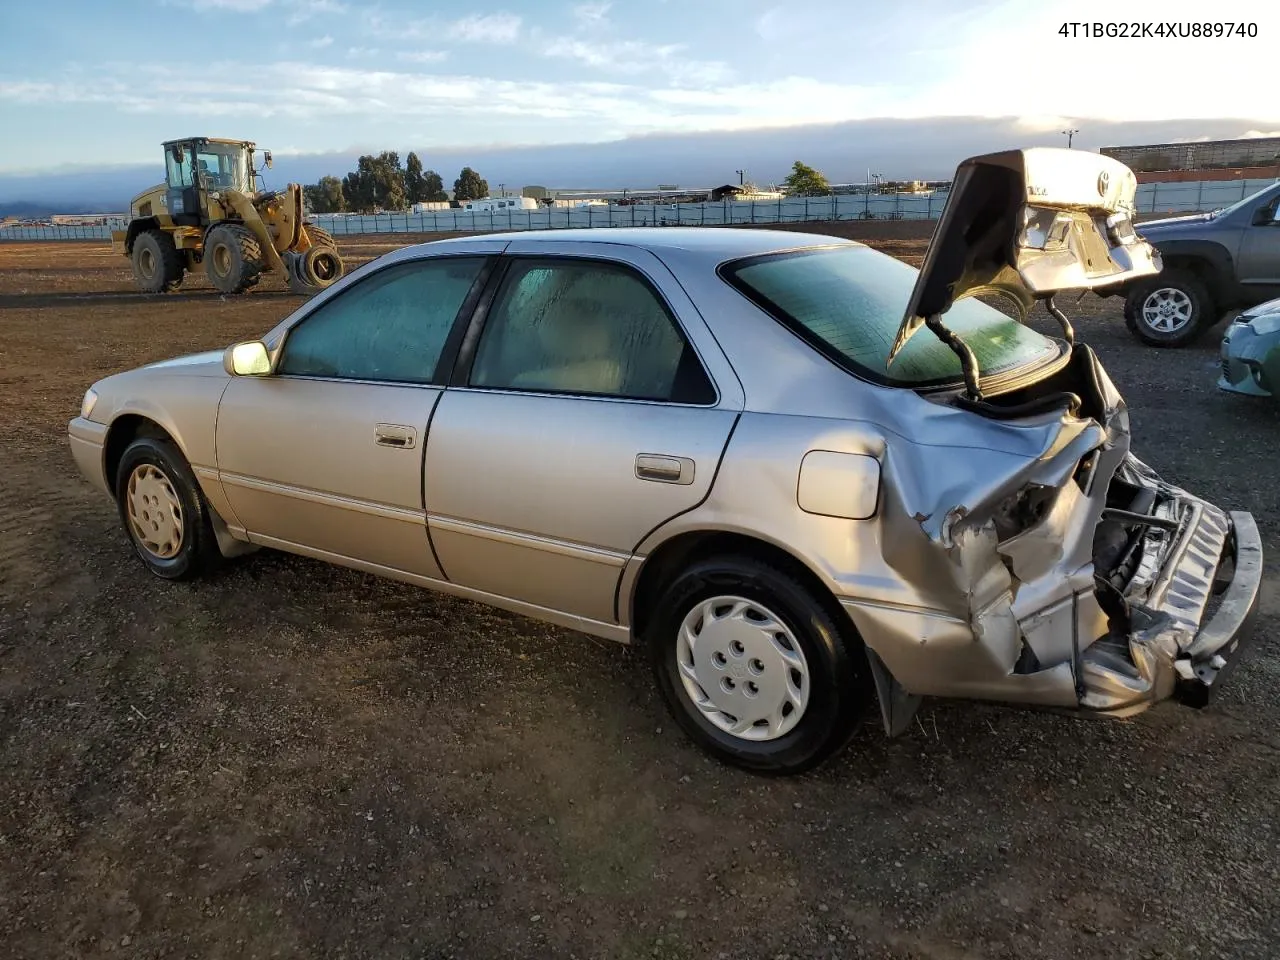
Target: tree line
(381, 183)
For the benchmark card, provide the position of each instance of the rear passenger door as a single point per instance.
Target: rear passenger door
(590, 405)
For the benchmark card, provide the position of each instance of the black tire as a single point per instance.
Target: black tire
(1178, 289)
(157, 265)
(322, 266)
(840, 685)
(232, 258)
(319, 237)
(197, 552)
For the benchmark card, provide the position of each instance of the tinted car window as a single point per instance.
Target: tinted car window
(585, 327)
(390, 326)
(849, 301)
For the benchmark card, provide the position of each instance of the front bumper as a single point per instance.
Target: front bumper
(1245, 359)
(87, 439)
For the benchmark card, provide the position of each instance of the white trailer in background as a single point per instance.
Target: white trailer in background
(489, 204)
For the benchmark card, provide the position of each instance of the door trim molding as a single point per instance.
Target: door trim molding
(385, 510)
(576, 551)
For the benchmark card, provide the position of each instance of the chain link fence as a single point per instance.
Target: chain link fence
(1152, 198)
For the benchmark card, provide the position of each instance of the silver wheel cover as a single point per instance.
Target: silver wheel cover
(1167, 310)
(742, 668)
(154, 511)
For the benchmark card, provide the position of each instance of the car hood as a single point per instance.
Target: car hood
(1261, 309)
(1172, 223)
(1024, 224)
(208, 363)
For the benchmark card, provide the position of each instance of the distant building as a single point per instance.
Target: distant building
(734, 191)
(1249, 158)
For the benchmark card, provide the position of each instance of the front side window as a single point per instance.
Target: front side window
(589, 328)
(848, 301)
(391, 326)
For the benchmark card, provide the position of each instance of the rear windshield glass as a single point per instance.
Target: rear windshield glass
(848, 302)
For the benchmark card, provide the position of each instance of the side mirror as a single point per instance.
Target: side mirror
(266, 158)
(1265, 216)
(247, 359)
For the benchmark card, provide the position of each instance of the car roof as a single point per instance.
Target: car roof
(720, 242)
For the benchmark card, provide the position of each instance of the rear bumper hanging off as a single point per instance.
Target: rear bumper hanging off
(1221, 640)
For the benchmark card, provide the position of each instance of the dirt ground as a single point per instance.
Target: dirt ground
(295, 760)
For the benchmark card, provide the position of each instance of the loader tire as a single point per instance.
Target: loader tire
(232, 258)
(318, 237)
(322, 266)
(157, 266)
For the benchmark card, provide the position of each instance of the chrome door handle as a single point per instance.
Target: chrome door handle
(395, 435)
(663, 468)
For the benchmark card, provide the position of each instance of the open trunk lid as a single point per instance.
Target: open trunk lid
(1024, 224)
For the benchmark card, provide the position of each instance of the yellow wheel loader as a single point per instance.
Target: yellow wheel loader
(210, 213)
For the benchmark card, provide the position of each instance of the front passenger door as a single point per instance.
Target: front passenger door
(1260, 253)
(324, 456)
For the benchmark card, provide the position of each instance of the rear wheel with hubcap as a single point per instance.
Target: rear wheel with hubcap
(1171, 309)
(755, 668)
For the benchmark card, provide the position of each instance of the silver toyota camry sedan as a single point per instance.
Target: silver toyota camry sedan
(809, 479)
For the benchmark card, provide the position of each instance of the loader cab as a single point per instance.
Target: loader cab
(198, 166)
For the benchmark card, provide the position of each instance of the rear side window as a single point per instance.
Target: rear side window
(848, 302)
(390, 327)
(586, 327)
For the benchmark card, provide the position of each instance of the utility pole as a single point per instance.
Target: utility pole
(742, 176)
(1070, 135)
(502, 189)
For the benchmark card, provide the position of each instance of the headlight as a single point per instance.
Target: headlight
(86, 405)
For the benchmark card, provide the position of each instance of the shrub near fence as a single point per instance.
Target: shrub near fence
(1152, 198)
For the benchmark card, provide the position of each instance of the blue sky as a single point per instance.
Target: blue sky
(315, 76)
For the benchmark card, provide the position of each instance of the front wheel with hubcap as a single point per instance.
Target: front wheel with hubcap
(754, 668)
(163, 510)
(1171, 309)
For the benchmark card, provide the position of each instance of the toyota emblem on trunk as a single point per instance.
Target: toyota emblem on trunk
(1104, 179)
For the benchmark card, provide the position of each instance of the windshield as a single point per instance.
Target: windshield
(225, 166)
(848, 301)
(1227, 211)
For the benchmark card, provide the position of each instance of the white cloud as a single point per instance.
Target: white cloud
(424, 56)
(361, 51)
(306, 10)
(241, 6)
(489, 28)
(320, 42)
(632, 57)
(591, 14)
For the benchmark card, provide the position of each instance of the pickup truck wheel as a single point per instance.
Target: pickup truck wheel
(753, 667)
(1169, 310)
